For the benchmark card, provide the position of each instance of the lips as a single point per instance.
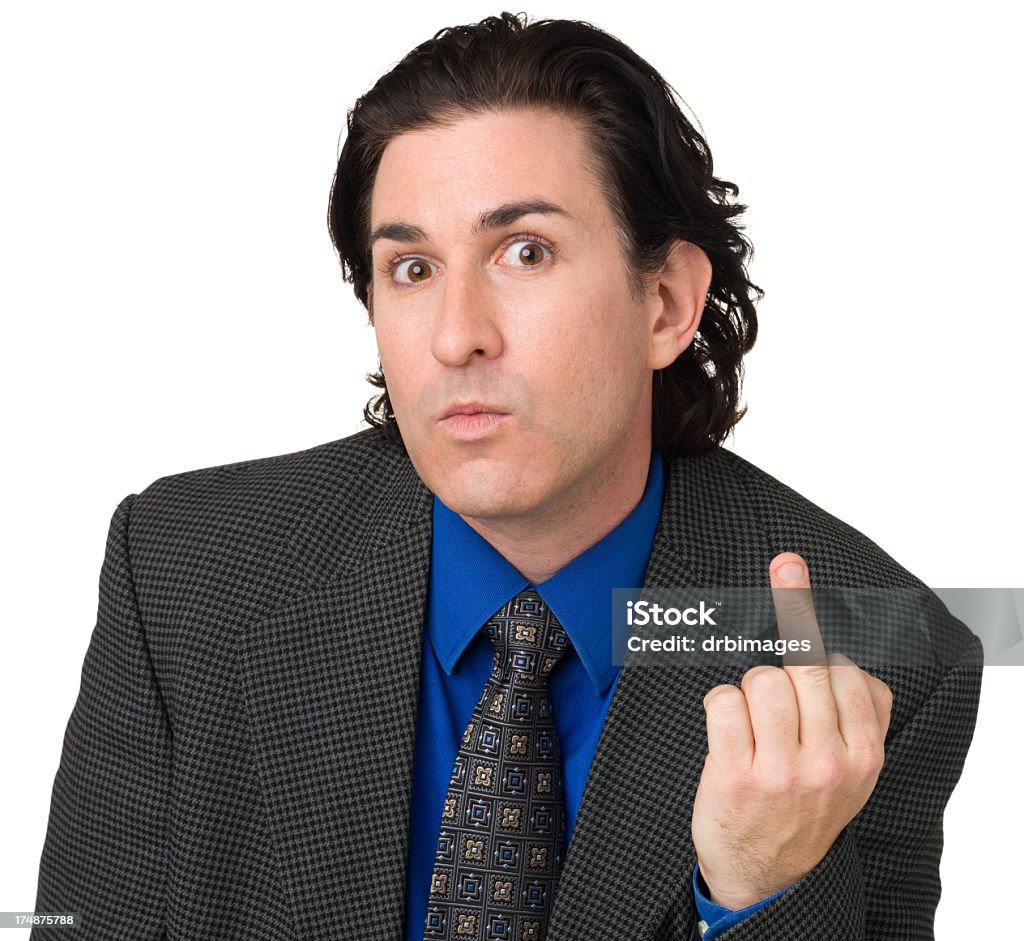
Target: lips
(472, 408)
(472, 421)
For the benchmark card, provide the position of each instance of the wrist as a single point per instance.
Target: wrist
(733, 894)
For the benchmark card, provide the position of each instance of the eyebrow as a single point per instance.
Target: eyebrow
(487, 220)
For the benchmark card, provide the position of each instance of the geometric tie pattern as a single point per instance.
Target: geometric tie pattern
(502, 835)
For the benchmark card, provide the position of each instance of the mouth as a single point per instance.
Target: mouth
(472, 408)
(472, 420)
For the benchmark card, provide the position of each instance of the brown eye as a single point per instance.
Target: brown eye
(525, 253)
(531, 253)
(412, 271)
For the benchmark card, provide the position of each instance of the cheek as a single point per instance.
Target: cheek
(585, 382)
(398, 377)
(393, 351)
(610, 378)
(600, 347)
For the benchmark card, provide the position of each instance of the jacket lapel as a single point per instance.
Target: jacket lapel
(331, 680)
(630, 863)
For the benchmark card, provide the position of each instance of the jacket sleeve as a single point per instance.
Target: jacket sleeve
(880, 879)
(104, 856)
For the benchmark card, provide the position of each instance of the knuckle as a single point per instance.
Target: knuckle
(779, 781)
(783, 716)
(762, 678)
(803, 608)
(828, 774)
(721, 697)
(868, 759)
(730, 736)
(799, 602)
(860, 706)
(813, 675)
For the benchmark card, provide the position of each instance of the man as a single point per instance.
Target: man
(286, 726)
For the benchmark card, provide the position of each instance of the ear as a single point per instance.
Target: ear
(675, 301)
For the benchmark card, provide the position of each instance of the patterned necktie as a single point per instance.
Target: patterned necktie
(502, 839)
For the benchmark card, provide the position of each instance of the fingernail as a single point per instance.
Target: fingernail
(791, 572)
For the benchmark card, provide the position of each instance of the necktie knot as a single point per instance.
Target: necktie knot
(528, 639)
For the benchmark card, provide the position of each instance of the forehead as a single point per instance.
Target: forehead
(447, 175)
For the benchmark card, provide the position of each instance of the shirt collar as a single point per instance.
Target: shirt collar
(470, 580)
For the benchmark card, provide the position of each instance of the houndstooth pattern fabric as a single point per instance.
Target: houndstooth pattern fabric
(502, 839)
(223, 777)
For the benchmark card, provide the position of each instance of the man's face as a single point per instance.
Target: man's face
(499, 286)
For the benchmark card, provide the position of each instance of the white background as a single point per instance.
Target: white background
(171, 301)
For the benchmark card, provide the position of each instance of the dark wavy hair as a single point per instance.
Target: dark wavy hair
(656, 170)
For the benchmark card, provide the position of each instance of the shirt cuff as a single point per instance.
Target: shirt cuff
(714, 919)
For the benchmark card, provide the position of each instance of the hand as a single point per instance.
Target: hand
(793, 755)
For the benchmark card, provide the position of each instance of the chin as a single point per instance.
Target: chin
(478, 504)
(481, 495)
(485, 485)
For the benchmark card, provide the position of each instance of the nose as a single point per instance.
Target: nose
(466, 325)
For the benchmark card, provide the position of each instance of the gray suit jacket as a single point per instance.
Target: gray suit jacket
(224, 773)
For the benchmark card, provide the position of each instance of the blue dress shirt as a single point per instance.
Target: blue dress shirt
(469, 581)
